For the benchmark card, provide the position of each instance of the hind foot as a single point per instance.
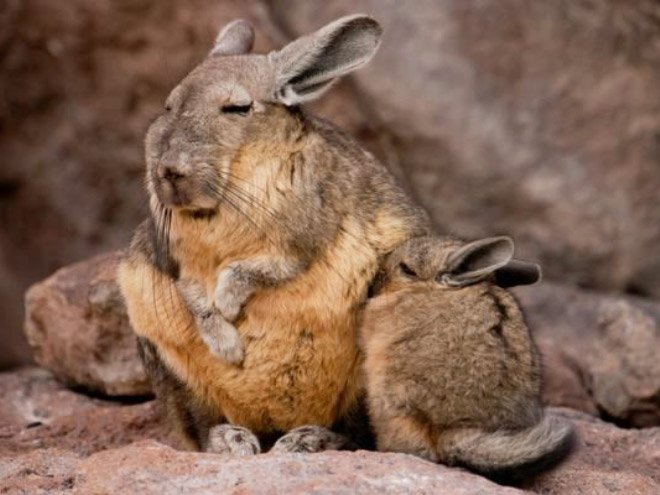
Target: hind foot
(234, 440)
(309, 439)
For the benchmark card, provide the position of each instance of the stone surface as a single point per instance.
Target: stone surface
(37, 412)
(54, 440)
(532, 118)
(151, 468)
(607, 460)
(600, 351)
(77, 326)
(80, 82)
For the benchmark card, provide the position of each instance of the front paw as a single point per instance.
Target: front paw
(230, 439)
(231, 293)
(222, 339)
(194, 296)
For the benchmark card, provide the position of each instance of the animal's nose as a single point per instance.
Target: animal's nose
(171, 173)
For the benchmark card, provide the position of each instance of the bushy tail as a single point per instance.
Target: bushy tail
(508, 456)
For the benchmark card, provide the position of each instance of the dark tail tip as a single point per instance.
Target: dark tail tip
(527, 471)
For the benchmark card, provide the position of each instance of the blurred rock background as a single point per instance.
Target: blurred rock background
(532, 118)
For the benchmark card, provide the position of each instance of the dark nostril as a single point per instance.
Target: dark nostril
(171, 174)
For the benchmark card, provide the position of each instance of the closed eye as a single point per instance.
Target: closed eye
(407, 270)
(237, 109)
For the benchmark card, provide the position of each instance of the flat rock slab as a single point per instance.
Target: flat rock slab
(37, 412)
(151, 468)
(55, 440)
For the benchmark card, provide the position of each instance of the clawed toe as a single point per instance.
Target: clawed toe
(234, 440)
(310, 439)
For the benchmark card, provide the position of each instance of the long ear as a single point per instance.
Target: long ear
(518, 272)
(308, 66)
(477, 260)
(236, 38)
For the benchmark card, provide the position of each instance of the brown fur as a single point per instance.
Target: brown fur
(272, 183)
(445, 364)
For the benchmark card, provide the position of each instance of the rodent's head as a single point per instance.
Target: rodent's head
(235, 99)
(450, 263)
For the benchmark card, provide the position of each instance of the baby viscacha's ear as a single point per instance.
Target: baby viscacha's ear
(477, 261)
(517, 272)
(308, 66)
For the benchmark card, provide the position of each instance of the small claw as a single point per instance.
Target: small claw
(234, 440)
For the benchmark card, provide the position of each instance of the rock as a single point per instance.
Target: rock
(151, 468)
(535, 119)
(607, 460)
(37, 412)
(45, 471)
(54, 440)
(77, 326)
(600, 351)
(80, 83)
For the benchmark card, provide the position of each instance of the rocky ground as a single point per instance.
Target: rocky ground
(54, 440)
(88, 424)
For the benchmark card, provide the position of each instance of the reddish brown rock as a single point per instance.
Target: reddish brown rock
(531, 118)
(45, 471)
(151, 468)
(607, 459)
(79, 82)
(600, 351)
(78, 328)
(54, 440)
(37, 412)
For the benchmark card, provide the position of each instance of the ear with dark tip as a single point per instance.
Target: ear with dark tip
(308, 66)
(477, 260)
(518, 272)
(236, 38)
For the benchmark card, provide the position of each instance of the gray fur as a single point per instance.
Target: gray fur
(309, 65)
(310, 439)
(477, 261)
(234, 440)
(238, 281)
(216, 331)
(452, 372)
(328, 192)
(497, 451)
(236, 38)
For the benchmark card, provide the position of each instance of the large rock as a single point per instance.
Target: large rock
(608, 460)
(532, 118)
(600, 351)
(151, 468)
(538, 119)
(38, 412)
(54, 440)
(77, 326)
(80, 81)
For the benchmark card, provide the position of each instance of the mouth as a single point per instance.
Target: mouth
(171, 197)
(202, 214)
